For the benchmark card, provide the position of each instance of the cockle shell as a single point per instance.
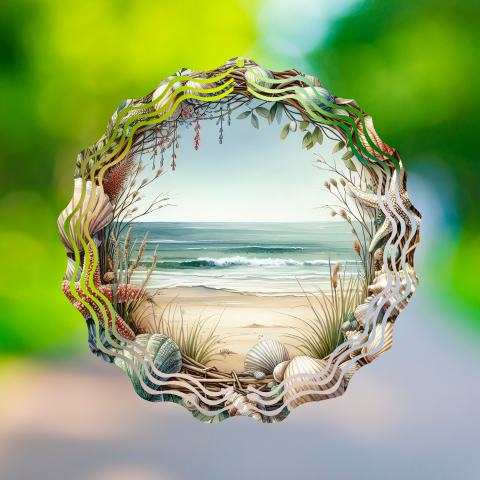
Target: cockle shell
(348, 374)
(257, 81)
(380, 283)
(305, 365)
(160, 106)
(279, 371)
(387, 341)
(265, 356)
(375, 139)
(70, 269)
(202, 86)
(312, 98)
(240, 406)
(165, 355)
(102, 218)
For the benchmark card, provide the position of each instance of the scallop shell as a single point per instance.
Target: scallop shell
(175, 112)
(304, 364)
(313, 98)
(265, 356)
(348, 374)
(376, 140)
(387, 342)
(198, 85)
(361, 313)
(380, 283)
(70, 269)
(280, 370)
(166, 357)
(240, 406)
(256, 81)
(103, 217)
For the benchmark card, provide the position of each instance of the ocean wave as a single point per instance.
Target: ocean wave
(226, 262)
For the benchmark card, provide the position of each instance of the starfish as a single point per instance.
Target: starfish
(371, 200)
(124, 293)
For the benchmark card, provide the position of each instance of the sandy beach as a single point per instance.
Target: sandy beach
(245, 319)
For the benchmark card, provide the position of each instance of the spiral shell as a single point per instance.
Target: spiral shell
(170, 95)
(304, 364)
(387, 342)
(202, 86)
(101, 219)
(376, 140)
(279, 371)
(256, 81)
(311, 98)
(265, 356)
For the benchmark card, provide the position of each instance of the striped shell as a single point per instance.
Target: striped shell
(70, 269)
(256, 81)
(102, 218)
(354, 350)
(315, 81)
(201, 86)
(312, 98)
(375, 139)
(348, 374)
(361, 312)
(166, 357)
(174, 112)
(304, 364)
(265, 356)
(386, 342)
(279, 371)
(380, 283)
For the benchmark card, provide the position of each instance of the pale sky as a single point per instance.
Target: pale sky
(254, 176)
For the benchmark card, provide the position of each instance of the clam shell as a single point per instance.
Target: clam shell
(265, 356)
(348, 374)
(387, 342)
(304, 364)
(174, 112)
(70, 269)
(380, 283)
(166, 357)
(198, 85)
(312, 98)
(279, 371)
(259, 71)
(103, 217)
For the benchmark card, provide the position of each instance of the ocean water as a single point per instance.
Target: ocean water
(254, 258)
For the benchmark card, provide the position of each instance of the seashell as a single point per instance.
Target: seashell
(92, 341)
(279, 416)
(198, 85)
(259, 375)
(108, 277)
(166, 357)
(103, 217)
(340, 111)
(252, 80)
(279, 371)
(265, 356)
(361, 312)
(348, 374)
(354, 346)
(304, 364)
(380, 283)
(293, 126)
(387, 342)
(315, 81)
(240, 406)
(70, 269)
(312, 98)
(175, 112)
(373, 137)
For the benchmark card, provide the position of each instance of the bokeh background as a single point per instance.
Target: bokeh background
(64, 68)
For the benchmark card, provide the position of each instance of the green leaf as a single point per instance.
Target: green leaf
(305, 117)
(338, 146)
(262, 111)
(255, 121)
(304, 125)
(317, 136)
(347, 155)
(285, 131)
(270, 118)
(244, 115)
(310, 146)
(350, 165)
(307, 139)
(273, 110)
(279, 112)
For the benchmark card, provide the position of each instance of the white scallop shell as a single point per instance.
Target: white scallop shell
(386, 342)
(265, 356)
(304, 364)
(102, 218)
(175, 112)
(280, 370)
(256, 81)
